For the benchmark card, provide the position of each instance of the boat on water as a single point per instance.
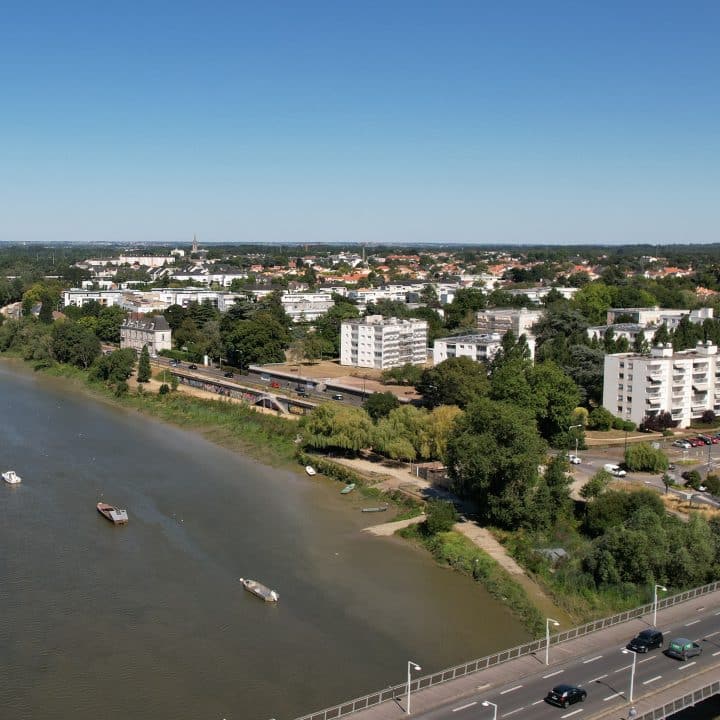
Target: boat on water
(260, 590)
(381, 508)
(115, 515)
(310, 470)
(11, 477)
(347, 489)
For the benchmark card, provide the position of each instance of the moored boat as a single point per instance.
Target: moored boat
(310, 470)
(347, 489)
(115, 515)
(260, 590)
(11, 477)
(382, 508)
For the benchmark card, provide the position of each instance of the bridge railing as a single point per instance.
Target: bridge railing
(396, 691)
(680, 703)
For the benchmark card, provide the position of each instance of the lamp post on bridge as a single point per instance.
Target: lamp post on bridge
(411, 666)
(632, 672)
(487, 703)
(655, 602)
(547, 637)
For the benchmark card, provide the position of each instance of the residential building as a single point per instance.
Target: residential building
(79, 297)
(138, 331)
(685, 383)
(306, 307)
(378, 342)
(658, 316)
(481, 348)
(500, 320)
(629, 331)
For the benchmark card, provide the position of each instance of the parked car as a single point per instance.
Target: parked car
(707, 440)
(684, 444)
(574, 459)
(302, 393)
(338, 396)
(646, 640)
(682, 649)
(229, 373)
(614, 470)
(564, 695)
(695, 442)
(192, 366)
(274, 384)
(174, 362)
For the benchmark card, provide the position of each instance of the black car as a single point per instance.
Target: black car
(192, 366)
(229, 373)
(646, 640)
(564, 695)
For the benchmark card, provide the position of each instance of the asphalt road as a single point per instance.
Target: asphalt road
(605, 675)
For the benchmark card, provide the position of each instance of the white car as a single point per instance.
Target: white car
(574, 459)
(684, 444)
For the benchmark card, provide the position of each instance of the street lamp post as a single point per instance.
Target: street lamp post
(487, 703)
(655, 600)
(411, 666)
(572, 427)
(632, 672)
(547, 638)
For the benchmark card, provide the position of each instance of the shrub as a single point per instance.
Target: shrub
(629, 426)
(708, 417)
(712, 483)
(164, 389)
(618, 423)
(440, 516)
(121, 388)
(657, 423)
(644, 457)
(600, 419)
(692, 478)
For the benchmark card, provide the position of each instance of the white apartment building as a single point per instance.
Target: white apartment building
(137, 331)
(481, 348)
(684, 383)
(500, 320)
(306, 307)
(382, 343)
(79, 297)
(629, 331)
(658, 316)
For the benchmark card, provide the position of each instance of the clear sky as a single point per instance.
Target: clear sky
(407, 121)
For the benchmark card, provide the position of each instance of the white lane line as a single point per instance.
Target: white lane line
(557, 672)
(647, 682)
(647, 659)
(597, 679)
(465, 707)
(512, 712)
(717, 613)
(517, 687)
(625, 667)
(694, 622)
(574, 712)
(537, 702)
(483, 686)
(687, 665)
(717, 632)
(610, 697)
(597, 657)
(716, 653)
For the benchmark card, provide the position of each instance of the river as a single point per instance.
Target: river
(148, 620)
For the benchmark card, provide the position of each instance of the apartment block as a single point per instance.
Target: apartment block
(684, 383)
(137, 331)
(481, 348)
(500, 320)
(658, 316)
(382, 343)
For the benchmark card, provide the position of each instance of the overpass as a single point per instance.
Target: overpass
(517, 680)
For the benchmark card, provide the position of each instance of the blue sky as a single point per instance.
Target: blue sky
(395, 121)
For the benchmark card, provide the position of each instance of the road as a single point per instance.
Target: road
(605, 675)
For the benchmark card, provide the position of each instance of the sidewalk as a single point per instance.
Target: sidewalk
(560, 655)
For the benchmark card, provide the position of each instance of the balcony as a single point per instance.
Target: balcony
(654, 379)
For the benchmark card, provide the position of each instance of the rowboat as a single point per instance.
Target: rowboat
(115, 515)
(347, 489)
(310, 470)
(382, 508)
(260, 590)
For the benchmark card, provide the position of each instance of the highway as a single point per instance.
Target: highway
(604, 674)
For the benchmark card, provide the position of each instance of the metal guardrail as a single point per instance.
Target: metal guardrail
(394, 691)
(681, 703)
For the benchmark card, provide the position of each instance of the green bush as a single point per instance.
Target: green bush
(121, 388)
(646, 458)
(600, 419)
(164, 389)
(440, 516)
(692, 478)
(712, 483)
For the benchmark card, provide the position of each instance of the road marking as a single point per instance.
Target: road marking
(465, 707)
(512, 712)
(702, 607)
(712, 633)
(517, 687)
(597, 679)
(610, 697)
(647, 682)
(597, 657)
(652, 657)
(717, 613)
(694, 622)
(716, 653)
(574, 712)
(557, 672)
(483, 686)
(687, 665)
(537, 702)
(624, 667)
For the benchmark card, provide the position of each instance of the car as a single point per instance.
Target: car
(614, 470)
(564, 695)
(707, 440)
(174, 363)
(682, 649)
(265, 378)
(192, 366)
(302, 393)
(695, 442)
(684, 444)
(229, 373)
(574, 459)
(648, 639)
(337, 396)
(274, 384)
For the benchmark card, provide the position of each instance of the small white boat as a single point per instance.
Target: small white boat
(11, 477)
(260, 590)
(310, 470)
(117, 516)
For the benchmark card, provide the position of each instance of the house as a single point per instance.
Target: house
(138, 331)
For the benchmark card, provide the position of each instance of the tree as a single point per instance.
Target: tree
(115, 367)
(643, 457)
(262, 339)
(593, 301)
(600, 419)
(440, 426)
(143, 371)
(328, 326)
(658, 422)
(337, 426)
(455, 381)
(109, 320)
(552, 498)
(596, 485)
(662, 335)
(493, 457)
(407, 374)
(555, 397)
(440, 516)
(402, 435)
(640, 344)
(74, 344)
(379, 405)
